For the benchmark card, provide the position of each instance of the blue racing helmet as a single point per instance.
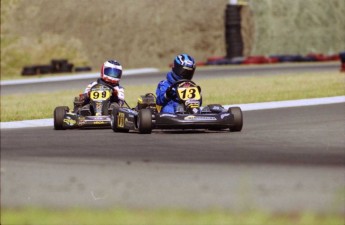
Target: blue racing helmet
(184, 66)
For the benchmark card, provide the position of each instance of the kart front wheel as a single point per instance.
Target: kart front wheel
(238, 119)
(59, 115)
(144, 121)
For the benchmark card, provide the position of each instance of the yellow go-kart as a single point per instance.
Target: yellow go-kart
(95, 114)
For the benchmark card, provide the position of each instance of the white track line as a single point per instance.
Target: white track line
(244, 107)
(74, 77)
(290, 103)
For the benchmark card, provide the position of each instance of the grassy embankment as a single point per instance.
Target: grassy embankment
(223, 91)
(153, 32)
(36, 216)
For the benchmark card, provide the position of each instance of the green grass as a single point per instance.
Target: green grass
(273, 88)
(37, 216)
(17, 52)
(223, 91)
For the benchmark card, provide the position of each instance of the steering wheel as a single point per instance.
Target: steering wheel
(181, 81)
(174, 85)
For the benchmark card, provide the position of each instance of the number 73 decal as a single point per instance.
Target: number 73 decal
(188, 93)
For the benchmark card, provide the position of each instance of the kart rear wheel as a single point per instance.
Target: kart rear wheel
(114, 121)
(238, 119)
(59, 114)
(144, 121)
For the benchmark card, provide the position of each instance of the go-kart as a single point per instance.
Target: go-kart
(189, 113)
(94, 114)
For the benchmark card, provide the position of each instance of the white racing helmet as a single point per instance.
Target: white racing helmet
(111, 71)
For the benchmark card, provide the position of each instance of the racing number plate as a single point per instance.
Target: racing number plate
(100, 95)
(189, 93)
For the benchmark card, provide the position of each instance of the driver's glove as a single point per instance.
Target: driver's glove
(120, 93)
(81, 100)
(170, 93)
(83, 97)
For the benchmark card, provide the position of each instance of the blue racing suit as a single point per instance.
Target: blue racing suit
(168, 105)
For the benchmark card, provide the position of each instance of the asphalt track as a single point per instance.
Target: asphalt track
(284, 160)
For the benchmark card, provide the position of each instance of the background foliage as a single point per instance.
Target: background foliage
(149, 33)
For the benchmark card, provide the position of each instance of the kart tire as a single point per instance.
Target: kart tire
(144, 121)
(59, 114)
(112, 107)
(82, 69)
(29, 70)
(238, 119)
(114, 127)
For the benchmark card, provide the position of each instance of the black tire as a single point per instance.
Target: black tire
(67, 67)
(112, 107)
(342, 57)
(114, 121)
(82, 69)
(238, 119)
(44, 69)
(58, 64)
(144, 121)
(59, 114)
(29, 70)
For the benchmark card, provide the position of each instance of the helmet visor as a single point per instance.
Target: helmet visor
(184, 72)
(187, 74)
(113, 72)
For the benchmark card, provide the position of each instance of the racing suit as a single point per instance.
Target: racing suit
(118, 94)
(169, 105)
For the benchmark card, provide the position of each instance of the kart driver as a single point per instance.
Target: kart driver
(111, 73)
(183, 68)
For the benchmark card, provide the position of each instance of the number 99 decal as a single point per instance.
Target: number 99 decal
(100, 95)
